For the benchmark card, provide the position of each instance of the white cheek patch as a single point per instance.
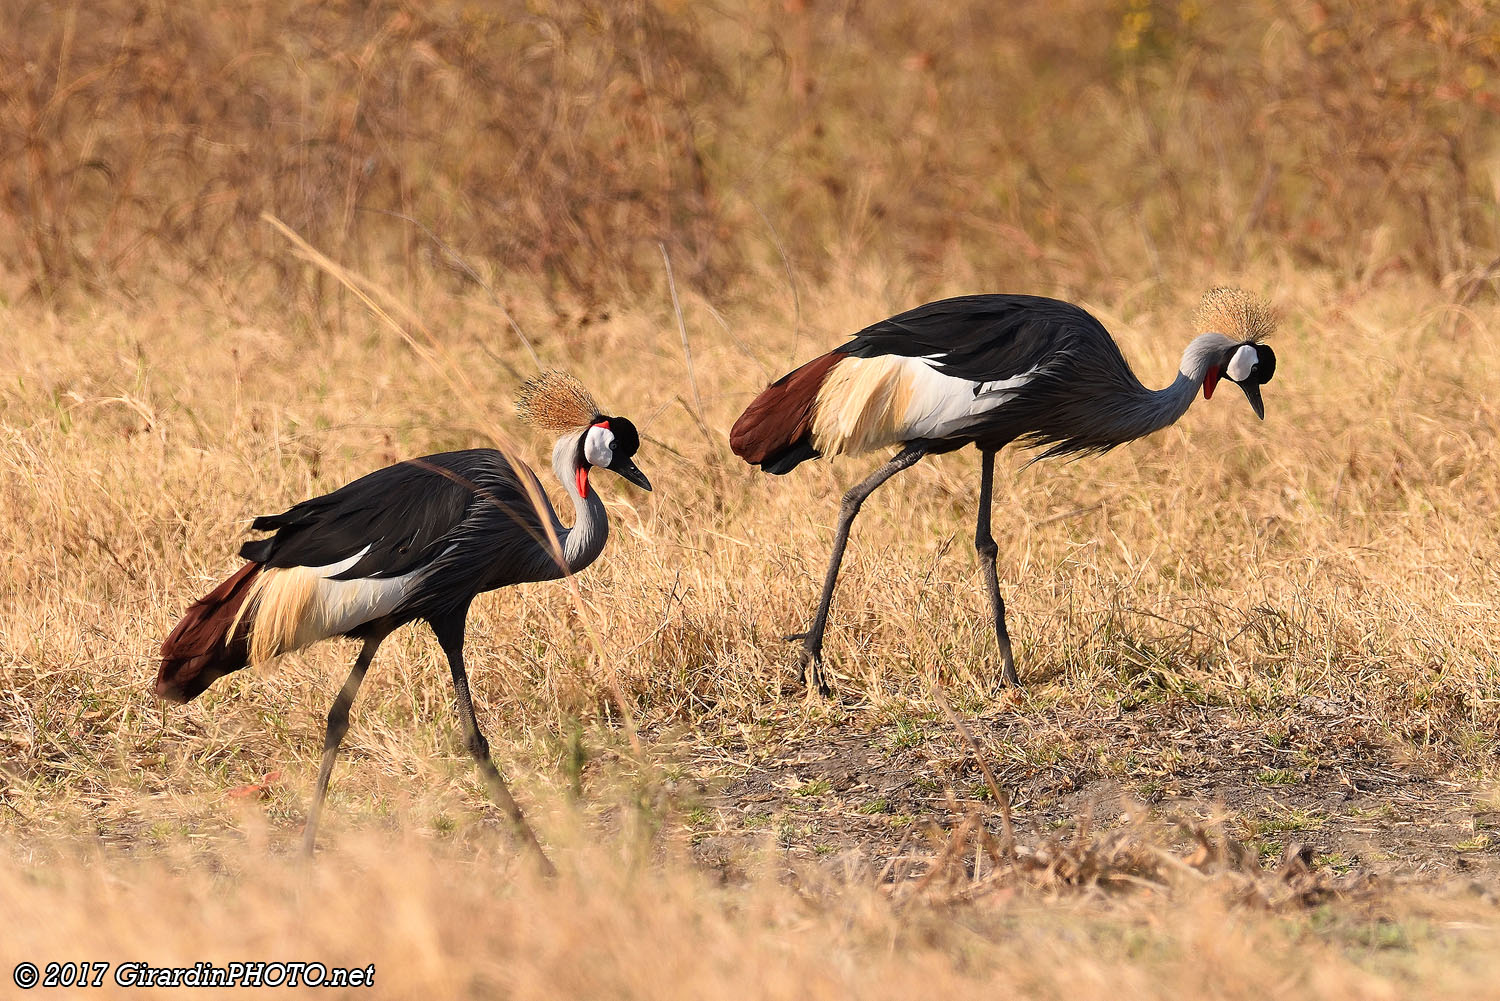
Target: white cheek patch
(597, 446)
(1243, 361)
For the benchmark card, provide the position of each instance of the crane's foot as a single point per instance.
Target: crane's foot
(1008, 676)
(811, 674)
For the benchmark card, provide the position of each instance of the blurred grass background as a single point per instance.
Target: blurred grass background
(1060, 145)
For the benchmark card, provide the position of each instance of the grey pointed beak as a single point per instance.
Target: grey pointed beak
(631, 472)
(1252, 393)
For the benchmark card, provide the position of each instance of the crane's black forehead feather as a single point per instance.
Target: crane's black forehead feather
(1265, 363)
(627, 438)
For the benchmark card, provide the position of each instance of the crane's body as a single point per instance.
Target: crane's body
(986, 370)
(415, 540)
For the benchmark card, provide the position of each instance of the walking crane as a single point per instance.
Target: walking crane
(985, 370)
(416, 540)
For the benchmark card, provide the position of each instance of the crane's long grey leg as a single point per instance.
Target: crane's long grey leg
(984, 544)
(812, 640)
(450, 635)
(338, 725)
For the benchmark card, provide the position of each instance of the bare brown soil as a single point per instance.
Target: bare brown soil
(1314, 777)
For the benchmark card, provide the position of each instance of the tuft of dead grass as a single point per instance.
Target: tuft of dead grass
(437, 921)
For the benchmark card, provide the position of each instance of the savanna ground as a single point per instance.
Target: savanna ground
(1255, 752)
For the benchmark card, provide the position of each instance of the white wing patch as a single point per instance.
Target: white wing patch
(295, 606)
(336, 606)
(943, 405)
(866, 403)
(1243, 361)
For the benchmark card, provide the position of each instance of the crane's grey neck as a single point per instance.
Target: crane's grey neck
(1202, 353)
(582, 543)
(1146, 410)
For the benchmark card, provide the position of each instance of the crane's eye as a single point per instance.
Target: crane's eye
(611, 446)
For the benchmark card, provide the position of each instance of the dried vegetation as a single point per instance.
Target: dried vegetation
(1256, 751)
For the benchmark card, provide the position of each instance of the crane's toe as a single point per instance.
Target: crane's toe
(812, 675)
(810, 672)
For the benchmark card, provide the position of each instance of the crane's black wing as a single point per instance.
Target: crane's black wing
(1080, 396)
(983, 338)
(401, 517)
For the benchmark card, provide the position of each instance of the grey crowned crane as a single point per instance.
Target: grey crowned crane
(985, 370)
(416, 540)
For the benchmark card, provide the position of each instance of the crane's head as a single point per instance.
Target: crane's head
(555, 401)
(609, 443)
(1234, 324)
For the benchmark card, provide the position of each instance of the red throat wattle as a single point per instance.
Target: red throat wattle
(1209, 382)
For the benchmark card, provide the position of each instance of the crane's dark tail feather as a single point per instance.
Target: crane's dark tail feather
(200, 650)
(775, 431)
(294, 520)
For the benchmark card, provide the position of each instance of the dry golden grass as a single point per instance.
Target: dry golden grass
(1341, 552)
(1256, 751)
(439, 926)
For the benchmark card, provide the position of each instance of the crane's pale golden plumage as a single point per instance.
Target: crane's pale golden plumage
(276, 603)
(555, 401)
(1235, 313)
(291, 607)
(861, 405)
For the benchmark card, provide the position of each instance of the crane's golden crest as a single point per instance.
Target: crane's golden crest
(1235, 313)
(555, 401)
